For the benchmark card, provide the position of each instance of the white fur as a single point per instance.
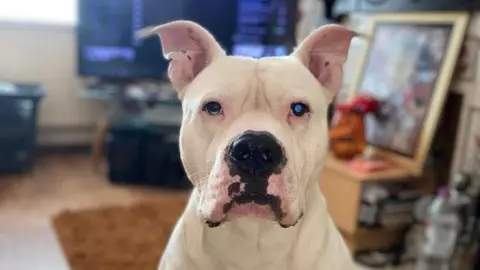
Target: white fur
(255, 95)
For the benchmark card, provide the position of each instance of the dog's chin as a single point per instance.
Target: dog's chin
(266, 210)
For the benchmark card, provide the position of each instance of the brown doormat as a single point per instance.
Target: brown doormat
(118, 238)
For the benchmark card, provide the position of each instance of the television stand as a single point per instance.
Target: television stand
(125, 99)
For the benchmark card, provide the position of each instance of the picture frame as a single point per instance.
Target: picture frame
(408, 65)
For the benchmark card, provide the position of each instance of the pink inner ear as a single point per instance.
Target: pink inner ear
(180, 70)
(190, 49)
(186, 51)
(328, 70)
(326, 50)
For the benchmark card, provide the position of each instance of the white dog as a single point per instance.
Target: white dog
(253, 142)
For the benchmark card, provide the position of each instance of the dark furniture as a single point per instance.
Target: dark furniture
(18, 121)
(143, 153)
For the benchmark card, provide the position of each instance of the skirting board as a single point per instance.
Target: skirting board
(64, 135)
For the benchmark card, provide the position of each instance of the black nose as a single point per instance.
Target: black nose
(255, 153)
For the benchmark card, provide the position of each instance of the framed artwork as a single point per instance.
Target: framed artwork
(471, 144)
(408, 66)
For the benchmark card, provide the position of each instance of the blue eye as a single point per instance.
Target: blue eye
(212, 108)
(299, 109)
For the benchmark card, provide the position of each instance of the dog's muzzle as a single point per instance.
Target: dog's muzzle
(257, 159)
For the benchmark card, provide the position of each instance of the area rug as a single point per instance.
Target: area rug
(118, 238)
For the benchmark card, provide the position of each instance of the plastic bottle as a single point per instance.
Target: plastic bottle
(442, 227)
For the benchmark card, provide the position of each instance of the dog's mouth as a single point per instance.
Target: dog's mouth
(259, 205)
(243, 203)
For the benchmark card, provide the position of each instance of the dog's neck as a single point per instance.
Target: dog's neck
(253, 242)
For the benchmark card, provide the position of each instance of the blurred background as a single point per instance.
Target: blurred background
(89, 127)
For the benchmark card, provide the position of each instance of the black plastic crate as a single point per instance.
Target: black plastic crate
(15, 155)
(18, 121)
(162, 162)
(124, 154)
(143, 154)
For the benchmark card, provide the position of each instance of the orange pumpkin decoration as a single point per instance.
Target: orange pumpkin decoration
(347, 136)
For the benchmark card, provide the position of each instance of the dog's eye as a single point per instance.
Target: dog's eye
(299, 109)
(212, 108)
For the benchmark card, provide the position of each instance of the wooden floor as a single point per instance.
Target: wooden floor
(27, 203)
(58, 183)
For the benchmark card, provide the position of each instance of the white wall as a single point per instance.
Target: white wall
(46, 54)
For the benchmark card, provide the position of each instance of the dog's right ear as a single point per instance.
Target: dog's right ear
(189, 47)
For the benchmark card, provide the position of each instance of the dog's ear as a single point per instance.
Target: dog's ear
(323, 52)
(189, 47)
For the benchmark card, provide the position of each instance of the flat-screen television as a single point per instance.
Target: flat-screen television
(109, 49)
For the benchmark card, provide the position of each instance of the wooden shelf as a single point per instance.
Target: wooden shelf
(371, 239)
(394, 173)
(342, 188)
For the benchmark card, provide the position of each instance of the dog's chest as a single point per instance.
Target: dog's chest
(258, 254)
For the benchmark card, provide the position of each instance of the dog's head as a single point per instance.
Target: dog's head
(254, 132)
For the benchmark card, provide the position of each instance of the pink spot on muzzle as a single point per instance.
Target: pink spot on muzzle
(219, 202)
(217, 196)
(276, 187)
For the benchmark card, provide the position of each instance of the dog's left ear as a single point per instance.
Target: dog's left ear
(324, 52)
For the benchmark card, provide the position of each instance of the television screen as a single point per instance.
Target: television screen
(107, 45)
(264, 28)
(108, 48)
